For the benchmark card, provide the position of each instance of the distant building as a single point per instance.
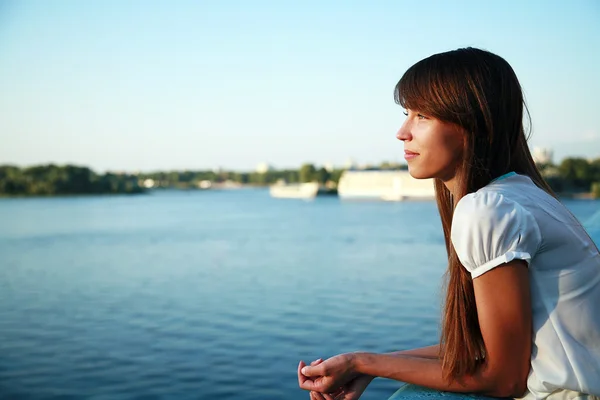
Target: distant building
(148, 183)
(350, 164)
(205, 184)
(263, 168)
(542, 155)
(328, 167)
(384, 185)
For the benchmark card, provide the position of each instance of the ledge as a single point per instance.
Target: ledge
(413, 392)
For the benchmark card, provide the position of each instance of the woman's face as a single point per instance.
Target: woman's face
(432, 148)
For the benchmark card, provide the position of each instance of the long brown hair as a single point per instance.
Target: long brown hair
(479, 92)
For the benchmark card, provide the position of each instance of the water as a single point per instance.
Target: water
(210, 294)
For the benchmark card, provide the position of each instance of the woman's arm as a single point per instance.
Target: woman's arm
(427, 372)
(432, 352)
(504, 311)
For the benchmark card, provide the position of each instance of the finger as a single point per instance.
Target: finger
(316, 396)
(344, 396)
(328, 396)
(316, 362)
(309, 384)
(318, 384)
(316, 370)
(301, 378)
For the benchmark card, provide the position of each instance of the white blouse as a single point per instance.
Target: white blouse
(511, 218)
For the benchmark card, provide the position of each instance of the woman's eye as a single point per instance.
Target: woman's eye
(421, 116)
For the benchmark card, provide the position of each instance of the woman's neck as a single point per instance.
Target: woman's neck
(452, 185)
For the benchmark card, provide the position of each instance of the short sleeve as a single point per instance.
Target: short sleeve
(489, 230)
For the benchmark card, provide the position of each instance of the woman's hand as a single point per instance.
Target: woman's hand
(316, 395)
(327, 376)
(351, 391)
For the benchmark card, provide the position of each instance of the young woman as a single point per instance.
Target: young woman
(522, 310)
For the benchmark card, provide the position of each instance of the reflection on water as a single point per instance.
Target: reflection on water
(210, 294)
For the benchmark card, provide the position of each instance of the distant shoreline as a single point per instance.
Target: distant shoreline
(561, 195)
(572, 179)
(69, 195)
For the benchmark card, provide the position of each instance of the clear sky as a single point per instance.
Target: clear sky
(149, 85)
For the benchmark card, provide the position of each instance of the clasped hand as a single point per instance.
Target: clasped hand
(333, 379)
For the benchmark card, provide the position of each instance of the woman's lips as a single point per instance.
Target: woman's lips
(409, 155)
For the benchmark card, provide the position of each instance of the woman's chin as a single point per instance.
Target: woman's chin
(415, 173)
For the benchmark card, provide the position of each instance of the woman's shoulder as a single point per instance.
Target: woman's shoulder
(489, 228)
(484, 204)
(511, 195)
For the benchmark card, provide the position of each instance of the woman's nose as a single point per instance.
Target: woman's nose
(404, 132)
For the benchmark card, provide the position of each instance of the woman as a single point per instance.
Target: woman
(523, 285)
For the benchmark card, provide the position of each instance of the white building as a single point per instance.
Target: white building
(542, 155)
(263, 167)
(205, 184)
(350, 164)
(384, 185)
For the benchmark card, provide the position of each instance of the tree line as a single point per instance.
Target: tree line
(188, 179)
(50, 180)
(572, 175)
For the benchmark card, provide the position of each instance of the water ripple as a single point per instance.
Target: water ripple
(208, 295)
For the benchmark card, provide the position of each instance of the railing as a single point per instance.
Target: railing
(413, 392)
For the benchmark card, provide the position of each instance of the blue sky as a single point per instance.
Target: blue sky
(149, 85)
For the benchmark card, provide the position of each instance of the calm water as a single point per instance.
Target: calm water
(210, 294)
